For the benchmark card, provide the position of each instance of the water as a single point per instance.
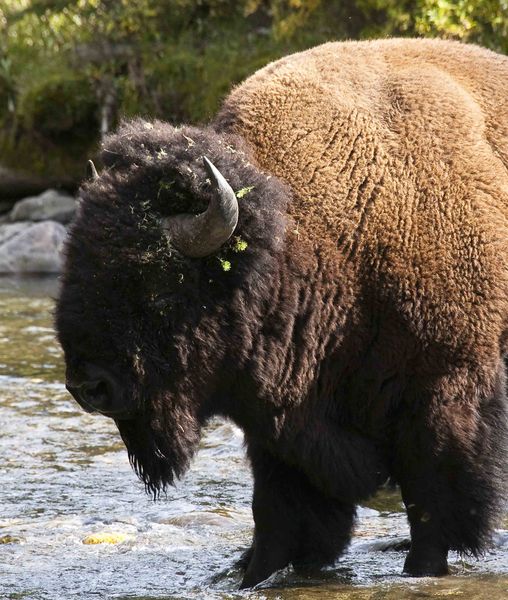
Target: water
(64, 475)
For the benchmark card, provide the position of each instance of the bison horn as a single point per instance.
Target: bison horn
(92, 171)
(201, 235)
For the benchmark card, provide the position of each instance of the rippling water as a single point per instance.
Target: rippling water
(64, 475)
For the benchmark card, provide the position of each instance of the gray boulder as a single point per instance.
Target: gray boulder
(31, 247)
(10, 230)
(50, 205)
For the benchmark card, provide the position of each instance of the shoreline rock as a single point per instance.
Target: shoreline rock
(31, 247)
(32, 234)
(51, 205)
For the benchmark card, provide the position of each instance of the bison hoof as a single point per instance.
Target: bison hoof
(426, 565)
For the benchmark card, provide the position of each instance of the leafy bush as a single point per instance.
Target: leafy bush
(69, 69)
(61, 107)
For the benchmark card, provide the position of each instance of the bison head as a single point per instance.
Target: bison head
(160, 286)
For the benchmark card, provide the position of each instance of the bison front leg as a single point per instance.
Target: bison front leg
(294, 522)
(451, 465)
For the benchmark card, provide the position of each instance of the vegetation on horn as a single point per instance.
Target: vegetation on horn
(69, 69)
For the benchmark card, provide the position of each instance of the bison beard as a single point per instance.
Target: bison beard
(157, 453)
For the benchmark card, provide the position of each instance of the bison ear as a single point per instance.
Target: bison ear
(200, 235)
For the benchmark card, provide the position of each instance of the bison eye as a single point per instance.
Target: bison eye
(167, 300)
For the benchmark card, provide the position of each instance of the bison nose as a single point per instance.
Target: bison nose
(92, 395)
(97, 391)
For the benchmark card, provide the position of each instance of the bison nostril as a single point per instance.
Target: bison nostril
(97, 390)
(96, 394)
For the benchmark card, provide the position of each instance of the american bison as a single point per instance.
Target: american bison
(326, 264)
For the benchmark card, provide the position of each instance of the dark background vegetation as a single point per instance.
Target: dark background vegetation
(70, 69)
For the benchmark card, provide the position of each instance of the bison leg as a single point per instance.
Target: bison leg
(428, 553)
(450, 461)
(294, 522)
(244, 560)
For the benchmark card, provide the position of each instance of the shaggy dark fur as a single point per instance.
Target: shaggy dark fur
(158, 312)
(349, 345)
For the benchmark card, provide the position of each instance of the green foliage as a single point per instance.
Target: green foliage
(244, 191)
(46, 110)
(225, 265)
(239, 245)
(481, 21)
(70, 69)
(288, 15)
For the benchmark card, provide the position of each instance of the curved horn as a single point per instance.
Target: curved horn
(201, 235)
(91, 170)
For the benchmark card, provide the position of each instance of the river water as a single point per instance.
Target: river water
(64, 476)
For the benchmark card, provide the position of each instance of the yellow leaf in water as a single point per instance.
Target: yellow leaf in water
(9, 539)
(105, 538)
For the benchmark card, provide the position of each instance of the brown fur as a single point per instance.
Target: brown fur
(397, 154)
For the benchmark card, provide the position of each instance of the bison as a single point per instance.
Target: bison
(326, 264)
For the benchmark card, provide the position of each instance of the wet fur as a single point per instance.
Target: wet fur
(348, 340)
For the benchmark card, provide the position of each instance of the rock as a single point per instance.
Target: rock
(9, 230)
(31, 247)
(50, 205)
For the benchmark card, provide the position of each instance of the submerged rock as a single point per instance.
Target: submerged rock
(50, 205)
(31, 247)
